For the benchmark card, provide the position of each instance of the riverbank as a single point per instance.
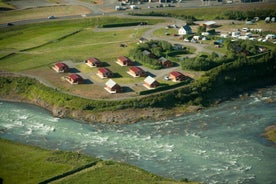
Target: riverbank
(126, 116)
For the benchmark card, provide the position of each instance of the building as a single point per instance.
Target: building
(112, 87)
(93, 62)
(150, 82)
(61, 67)
(74, 79)
(136, 72)
(165, 62)
(210, 24)
(177, 76)
(184, 30)
(104, 73)
(124, 61)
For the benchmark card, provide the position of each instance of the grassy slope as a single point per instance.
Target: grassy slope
(26, 164)
(77, 47)
(34, 165)
(41, 12)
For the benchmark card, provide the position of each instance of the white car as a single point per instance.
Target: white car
(51, 17)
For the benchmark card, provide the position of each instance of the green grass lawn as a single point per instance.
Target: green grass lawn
(28, 164)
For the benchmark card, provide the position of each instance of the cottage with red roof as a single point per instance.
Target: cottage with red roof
(124, 61)
(177, 76)
(74, 79)
(165, 62)
(112, 87)
(93, 62)
(136, 71)
(104, 73)
(61, 67)
(150, 82)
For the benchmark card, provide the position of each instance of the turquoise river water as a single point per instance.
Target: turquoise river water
(218, 145)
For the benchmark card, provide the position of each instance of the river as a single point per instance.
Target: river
(221, 144)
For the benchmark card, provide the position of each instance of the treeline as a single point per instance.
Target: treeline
(205, 62)
(155, 49)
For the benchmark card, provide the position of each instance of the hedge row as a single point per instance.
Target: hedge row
(124, 24)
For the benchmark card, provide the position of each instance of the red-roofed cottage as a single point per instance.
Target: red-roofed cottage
(136, 72)
(93, 62)
(177, 76)
(61, 67)
(74, 79)
(124, 61)
(104, 73)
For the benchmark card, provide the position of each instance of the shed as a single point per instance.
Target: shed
(104, 73)
(112, 87)
(177, 76)
(93, 62)
(74, 79)
(136, 72)
(61, 67)
(124, 61)
(150, 82)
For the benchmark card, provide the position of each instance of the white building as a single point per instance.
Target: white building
(184, 30)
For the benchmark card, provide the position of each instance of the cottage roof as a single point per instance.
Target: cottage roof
(110, 83)
(93, 60)
(123, 58)
(61, 65)
(162, 59)
(149, 80)
(75, 77)
(187, 28)
(176, 74)
(146, 52)
(136, 69)
(104, 70)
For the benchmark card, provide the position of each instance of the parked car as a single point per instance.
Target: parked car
(51, 17)
(10, 24)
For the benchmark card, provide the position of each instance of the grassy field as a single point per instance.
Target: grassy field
(77, 47)
(34, 165)
(42, 12)
(211, 13)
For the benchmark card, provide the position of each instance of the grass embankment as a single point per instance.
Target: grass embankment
(28, 164)
(241, 11)
(42, 12)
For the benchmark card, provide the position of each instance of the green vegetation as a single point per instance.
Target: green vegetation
(270, 133)
(155, 49)
(35, 165)
(239, 12)
(75, 40)
(5, 6)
